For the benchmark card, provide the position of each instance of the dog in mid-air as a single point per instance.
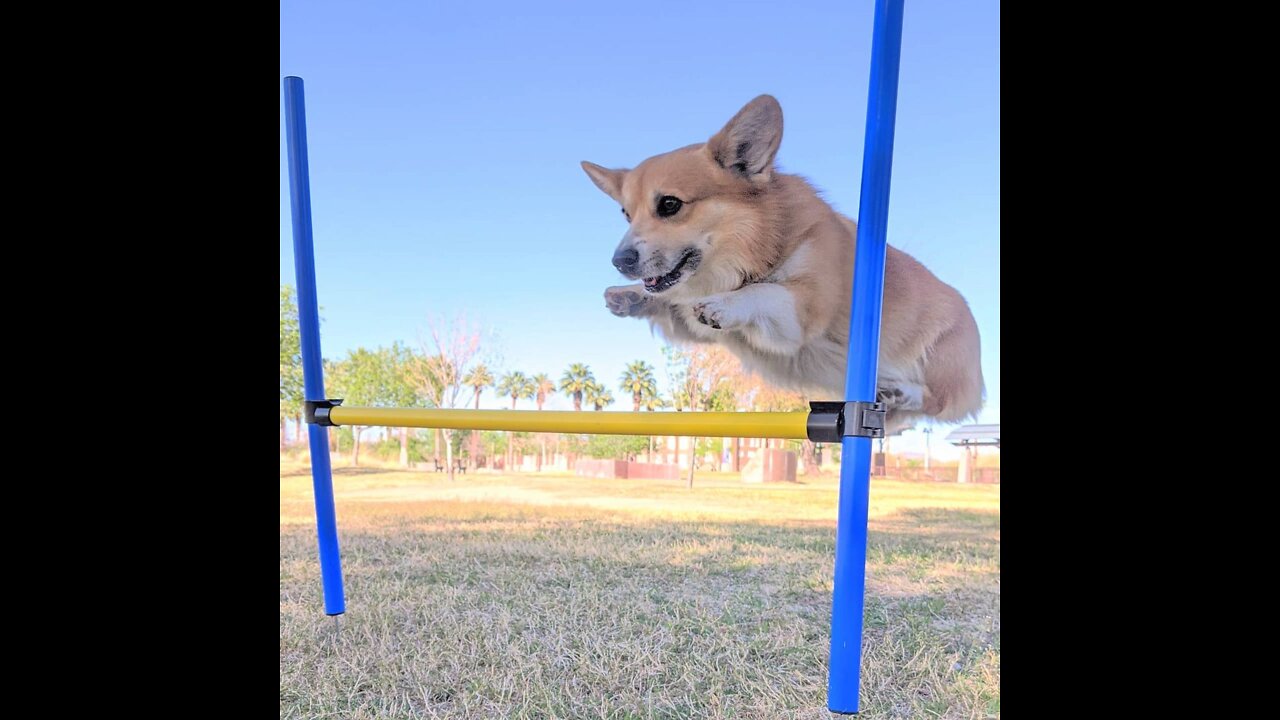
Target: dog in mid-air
(728, 250)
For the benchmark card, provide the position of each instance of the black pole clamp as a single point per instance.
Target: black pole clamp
(316, 412)
(831, 421)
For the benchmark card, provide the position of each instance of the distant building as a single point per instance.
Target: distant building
(969, 438)
(968, 435)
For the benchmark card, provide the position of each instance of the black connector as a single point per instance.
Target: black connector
(316, 412)
(830, 421)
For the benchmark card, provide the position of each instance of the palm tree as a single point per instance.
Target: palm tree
(652, 402)
(574, 382)
(598, 395)
(478, 378)
(544, 387)
(638, 380)
(517, 385)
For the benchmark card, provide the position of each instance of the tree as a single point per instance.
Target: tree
(697, 374)
(651, 403)
(544, 387)
(744, 388)
(575, 381)
(655, 402)
(495, 442)
(597, 395)
(619, 447)
(375, 378)
(719, 397)
(771, 399)
(291, 391)
(764, 397)
(478, 378)
(398, 389)
(638, 380)
(517, 385)
(333, 382)
(360, 378)
(677, 377)
(437, 372)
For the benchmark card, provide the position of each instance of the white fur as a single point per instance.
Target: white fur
(795, 264)
(764, 313)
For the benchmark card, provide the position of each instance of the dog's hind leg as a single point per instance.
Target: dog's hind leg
(953, 374)
(900, 395)
(903, 400)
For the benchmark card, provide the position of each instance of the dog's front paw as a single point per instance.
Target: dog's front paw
(626, 300)
(710, 312)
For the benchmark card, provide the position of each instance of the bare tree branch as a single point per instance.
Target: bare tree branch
(438, 370)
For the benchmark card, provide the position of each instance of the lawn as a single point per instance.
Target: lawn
(536, 596)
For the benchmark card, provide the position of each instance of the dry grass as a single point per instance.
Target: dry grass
(565, 597)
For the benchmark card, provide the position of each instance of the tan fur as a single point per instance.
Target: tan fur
(770, 272)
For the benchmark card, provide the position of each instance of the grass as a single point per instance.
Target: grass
(565, 597)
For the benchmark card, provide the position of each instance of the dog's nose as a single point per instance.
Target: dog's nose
(625, 260)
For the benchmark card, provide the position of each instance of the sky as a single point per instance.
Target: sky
(445, 139)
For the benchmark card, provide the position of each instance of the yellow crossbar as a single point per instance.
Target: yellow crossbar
(690, 424)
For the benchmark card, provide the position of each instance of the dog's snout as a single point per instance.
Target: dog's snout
(625, 259)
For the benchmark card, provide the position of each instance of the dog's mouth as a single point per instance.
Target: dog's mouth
(688, 262)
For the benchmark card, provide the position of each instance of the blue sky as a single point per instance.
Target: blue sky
(445, 139)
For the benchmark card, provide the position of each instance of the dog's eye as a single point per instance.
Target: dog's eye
(626, 214)
(668, 205)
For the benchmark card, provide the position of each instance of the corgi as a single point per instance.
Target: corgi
(728, 250)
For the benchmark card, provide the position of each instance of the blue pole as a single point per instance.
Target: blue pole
(304, 266)
(864, 349)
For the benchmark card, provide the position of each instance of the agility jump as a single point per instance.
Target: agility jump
(853, 423)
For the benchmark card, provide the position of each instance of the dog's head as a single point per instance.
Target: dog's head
(696, 213)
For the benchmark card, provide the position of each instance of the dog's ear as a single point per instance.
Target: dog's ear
(747, 144)
(610, 181)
